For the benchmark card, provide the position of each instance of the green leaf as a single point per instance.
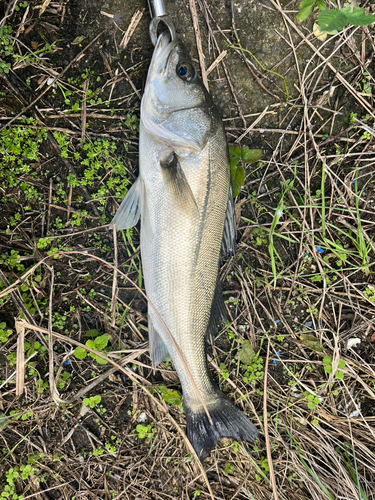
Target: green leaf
(92, 333)
(251, 155)
(3, 421)
(332, 20)
(310, 405)
(358, 17)
(237, 178)
(341, 364)
(90, 344)
(80, 353)
(101, 342)
(100, 361)
(304, 13)
(339, 375)
(3, 325)
(246, 353)
(321, 4)
(327, 360)
(97, 399)
(307, 3)
(311, 342)
(234, 153)
(328, 368)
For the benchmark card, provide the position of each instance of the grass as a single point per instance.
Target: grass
(78, 392)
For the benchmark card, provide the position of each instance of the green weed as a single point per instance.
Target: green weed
(92, 401)
(99, 343)
(171, 397)
(238, 157)
(146, 431)
(327, 363)
(333, 21)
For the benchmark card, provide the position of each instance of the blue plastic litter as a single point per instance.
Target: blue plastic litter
(274, 362)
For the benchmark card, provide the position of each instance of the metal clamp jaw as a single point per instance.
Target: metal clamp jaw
(159, 15)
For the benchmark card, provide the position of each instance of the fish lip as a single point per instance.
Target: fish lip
(163, 51)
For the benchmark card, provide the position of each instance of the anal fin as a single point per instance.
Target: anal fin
(158, 350)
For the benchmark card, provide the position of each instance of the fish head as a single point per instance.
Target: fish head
(176, 107)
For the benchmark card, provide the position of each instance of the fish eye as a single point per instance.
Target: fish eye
(186, 71)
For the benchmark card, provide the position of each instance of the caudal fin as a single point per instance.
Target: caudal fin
(227, 421)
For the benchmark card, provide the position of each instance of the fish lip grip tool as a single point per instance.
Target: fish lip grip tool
(159, 15)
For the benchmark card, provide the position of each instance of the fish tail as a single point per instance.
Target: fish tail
(227, 421)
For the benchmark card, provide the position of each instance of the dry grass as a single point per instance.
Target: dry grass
(301, 288)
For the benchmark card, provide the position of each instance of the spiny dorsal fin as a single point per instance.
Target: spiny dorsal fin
(177, 184)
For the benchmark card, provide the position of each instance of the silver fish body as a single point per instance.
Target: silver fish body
(182, 195)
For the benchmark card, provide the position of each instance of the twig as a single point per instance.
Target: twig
(137, 16)
(265, 425)
(194, 16)
(130, 82)
(20, 368)
(217, 61)
(252, 125)
(114, 283)
(52, 384)
(84, 109)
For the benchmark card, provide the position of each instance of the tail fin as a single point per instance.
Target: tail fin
(227, 421)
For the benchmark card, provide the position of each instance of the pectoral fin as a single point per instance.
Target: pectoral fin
(177, 184)
(129, 211)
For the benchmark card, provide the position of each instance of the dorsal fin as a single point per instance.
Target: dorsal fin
(228, 244)
(218, 313)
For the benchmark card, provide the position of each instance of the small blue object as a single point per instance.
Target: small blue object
(353, 182)
(277, 321)
(309, 324)
(274, 362)
(67, 362)
(320, 250)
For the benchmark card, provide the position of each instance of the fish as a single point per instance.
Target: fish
(183, 197)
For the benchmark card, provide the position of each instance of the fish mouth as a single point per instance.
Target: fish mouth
(162, 53)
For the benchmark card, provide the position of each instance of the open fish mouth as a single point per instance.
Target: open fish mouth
(163, 51)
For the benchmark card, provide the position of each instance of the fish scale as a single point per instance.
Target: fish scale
(184, 199)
